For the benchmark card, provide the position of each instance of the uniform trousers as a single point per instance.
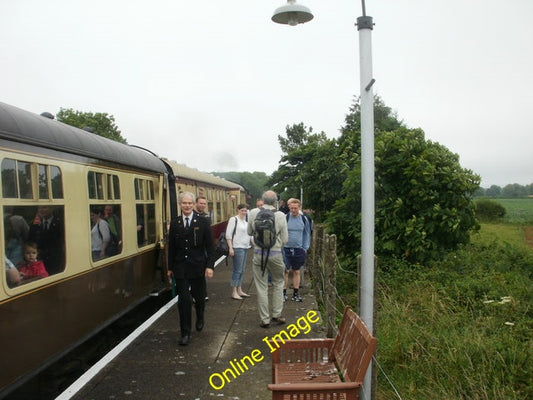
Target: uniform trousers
(187, 290)
(276, 268)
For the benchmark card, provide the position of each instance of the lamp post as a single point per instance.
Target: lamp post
(293, 14)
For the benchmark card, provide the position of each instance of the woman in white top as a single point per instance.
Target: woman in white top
(238, 243)
(100, 234)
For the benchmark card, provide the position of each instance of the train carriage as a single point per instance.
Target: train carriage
(58, 183)
(222, 196)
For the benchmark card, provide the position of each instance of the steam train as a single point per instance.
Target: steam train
(57, 174)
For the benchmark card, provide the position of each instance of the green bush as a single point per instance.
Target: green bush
(489, 210)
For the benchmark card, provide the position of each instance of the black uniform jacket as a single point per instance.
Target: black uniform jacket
(191, 250)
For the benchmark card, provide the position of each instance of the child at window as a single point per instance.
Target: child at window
(30, 267)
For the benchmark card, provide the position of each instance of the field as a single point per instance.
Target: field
(519, 211)
(461, 328)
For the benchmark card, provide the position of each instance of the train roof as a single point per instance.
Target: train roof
(182, 171)
(33, 129)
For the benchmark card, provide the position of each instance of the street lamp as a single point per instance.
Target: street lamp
(292, 14)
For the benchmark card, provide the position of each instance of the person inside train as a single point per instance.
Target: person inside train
(100, 234)
(238, 243)
(31, 268)
(12, 274)
(113, 221)
(16, 231)
(47, 231)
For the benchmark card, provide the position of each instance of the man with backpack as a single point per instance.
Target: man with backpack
(268, 228)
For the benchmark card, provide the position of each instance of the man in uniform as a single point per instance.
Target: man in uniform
(190, 261)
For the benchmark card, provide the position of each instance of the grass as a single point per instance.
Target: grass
(460, 328)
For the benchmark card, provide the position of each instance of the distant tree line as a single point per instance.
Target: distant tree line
(512, 190)
(255, 183)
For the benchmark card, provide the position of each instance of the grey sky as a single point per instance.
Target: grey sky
(213, 83)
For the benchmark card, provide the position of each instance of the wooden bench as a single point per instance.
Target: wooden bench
(323, 369)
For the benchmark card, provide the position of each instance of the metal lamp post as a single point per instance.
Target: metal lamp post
(293, 14)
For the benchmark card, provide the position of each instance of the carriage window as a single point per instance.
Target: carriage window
(56, 182)
(106, 231)
(19, 178)
(24, 175)
(43, 182)
(9, 179)
(114, 187)
(145, 209)
(103, 186)
(37, 229)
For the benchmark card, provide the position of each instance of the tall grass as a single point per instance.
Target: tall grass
(458, 329)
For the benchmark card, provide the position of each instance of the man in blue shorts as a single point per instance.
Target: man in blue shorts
(294, 252)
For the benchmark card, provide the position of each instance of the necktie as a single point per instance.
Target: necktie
(45, 224)
(186, 222)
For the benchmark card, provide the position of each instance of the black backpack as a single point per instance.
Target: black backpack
(265, 228)
(265, 233)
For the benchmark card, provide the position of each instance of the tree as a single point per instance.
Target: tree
(253, 182)
(310, 164)
(100, 124)
(423, 197)
(424, 201)
(494, 191)
(514, 190)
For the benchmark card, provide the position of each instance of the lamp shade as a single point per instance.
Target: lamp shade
(292, 14)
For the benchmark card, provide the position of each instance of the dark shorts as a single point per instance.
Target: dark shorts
(294, 258)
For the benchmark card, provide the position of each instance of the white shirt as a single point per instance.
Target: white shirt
(241, 240)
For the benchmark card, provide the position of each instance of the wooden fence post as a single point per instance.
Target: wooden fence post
(330, 275)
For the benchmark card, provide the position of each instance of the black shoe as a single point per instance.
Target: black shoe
(278, 320)
(297, 297)
(184, 341)
(200, 325)
(264, 325)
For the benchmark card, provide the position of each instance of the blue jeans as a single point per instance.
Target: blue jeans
(239, 264)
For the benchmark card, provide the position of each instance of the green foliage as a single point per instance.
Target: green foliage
(423, 199)
(255, 183)
(309, 162)
(489, 210)
(515, 190)
(100, 124)
(459, 328)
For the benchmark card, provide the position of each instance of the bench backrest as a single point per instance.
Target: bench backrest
(353, 348)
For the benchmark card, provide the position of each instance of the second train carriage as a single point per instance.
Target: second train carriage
(222, 196)
(52, 172)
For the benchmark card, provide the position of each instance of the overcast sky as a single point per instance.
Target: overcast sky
(213, 83)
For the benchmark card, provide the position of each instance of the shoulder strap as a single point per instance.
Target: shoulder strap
(99, 233)
(234, 229)
(304, 218)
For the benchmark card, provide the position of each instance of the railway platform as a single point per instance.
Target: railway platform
(155, 366)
